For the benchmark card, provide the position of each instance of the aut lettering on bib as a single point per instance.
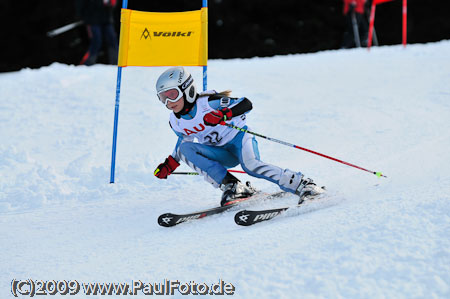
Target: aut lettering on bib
(194, 130)
(195, 127)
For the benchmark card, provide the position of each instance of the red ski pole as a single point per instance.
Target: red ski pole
(378, 174)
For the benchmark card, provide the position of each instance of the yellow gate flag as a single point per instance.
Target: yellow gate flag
(163, 39)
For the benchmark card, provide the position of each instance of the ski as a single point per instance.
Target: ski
(171, 219)
(250, 217)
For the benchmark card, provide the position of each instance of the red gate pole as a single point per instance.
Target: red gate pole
(404, 22)
(371, 22)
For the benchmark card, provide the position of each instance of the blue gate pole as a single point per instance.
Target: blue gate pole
(116, 114)
(205, 67)
(205, 77)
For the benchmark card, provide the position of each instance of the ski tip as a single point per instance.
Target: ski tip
(242, 218)
(166, 220)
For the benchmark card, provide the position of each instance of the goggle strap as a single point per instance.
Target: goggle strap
(186, 83)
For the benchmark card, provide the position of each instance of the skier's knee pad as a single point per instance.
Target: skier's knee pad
(198, 169)
(290, 180)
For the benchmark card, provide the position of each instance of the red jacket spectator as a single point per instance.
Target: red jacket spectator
(358, 4)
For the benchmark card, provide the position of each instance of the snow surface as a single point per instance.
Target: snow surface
(386, 110)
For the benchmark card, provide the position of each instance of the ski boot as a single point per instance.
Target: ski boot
(233, 189)
(308, 190)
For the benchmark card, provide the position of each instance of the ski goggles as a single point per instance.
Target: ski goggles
(170, 95)
(173, 94)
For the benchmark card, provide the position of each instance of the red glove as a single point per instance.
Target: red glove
(217, 117)
(165, 169)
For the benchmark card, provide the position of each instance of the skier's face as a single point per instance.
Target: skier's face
(176, 106)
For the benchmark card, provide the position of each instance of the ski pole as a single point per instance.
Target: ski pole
(185, 173)
(196, 173)
(377, 173)
(63, 29)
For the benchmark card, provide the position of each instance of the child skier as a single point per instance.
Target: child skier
(219, 147)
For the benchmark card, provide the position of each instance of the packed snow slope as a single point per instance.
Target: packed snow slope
(385, 110)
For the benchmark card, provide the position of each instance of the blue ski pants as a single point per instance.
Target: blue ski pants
(212, 162)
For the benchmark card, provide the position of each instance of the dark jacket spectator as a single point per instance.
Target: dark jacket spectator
(99, 20)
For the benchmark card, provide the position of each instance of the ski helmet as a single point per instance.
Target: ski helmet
(175, 83)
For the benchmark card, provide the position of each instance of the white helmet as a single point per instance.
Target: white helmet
(175, 83)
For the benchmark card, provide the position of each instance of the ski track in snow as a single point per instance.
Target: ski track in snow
(386, 110)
